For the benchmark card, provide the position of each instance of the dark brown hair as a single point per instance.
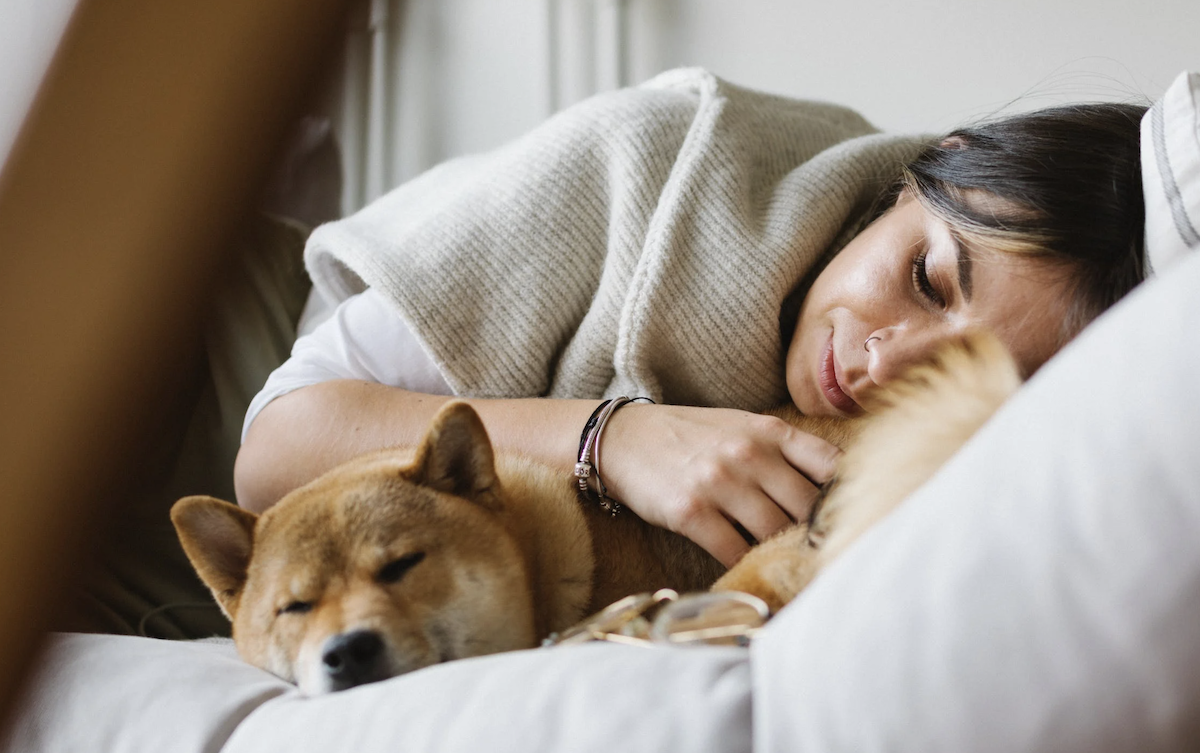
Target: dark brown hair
(1063, 184)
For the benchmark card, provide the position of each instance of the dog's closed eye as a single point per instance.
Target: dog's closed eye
(397, 568)
(297, 607)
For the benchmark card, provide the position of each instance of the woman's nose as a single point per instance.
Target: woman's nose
(893, 350)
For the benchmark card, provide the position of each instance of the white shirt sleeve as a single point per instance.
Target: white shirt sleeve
(364, 338)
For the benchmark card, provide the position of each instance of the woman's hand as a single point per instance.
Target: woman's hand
(696, 471)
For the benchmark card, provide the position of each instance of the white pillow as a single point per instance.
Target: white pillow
(596, 697)
(1171, 173)
(1042, 592)
(119, 693)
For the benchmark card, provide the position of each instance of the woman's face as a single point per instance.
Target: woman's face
(907, 281)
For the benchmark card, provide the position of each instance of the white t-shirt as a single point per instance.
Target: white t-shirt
(363, 338)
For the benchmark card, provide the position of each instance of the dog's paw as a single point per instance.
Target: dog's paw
(775, 570)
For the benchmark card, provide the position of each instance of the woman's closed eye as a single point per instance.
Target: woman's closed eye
(922, 283)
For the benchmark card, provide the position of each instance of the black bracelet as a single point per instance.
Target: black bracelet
(591, 424)
(588, 466)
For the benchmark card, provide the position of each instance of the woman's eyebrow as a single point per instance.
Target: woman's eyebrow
(966, 265)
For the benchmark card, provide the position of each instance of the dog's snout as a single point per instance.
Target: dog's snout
(353, 658)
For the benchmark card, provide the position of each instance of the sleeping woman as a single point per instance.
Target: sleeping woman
(715, 249)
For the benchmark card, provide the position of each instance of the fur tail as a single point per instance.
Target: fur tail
(916, 424)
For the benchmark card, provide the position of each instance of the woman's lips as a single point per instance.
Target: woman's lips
(834, 393)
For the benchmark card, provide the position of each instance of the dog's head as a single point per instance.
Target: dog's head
(386, 564)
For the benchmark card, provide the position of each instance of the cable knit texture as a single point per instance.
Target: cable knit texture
(641, 243)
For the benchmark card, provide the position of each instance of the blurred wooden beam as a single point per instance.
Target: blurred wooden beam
(148, 142)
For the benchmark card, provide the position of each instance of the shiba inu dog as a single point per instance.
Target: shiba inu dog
(409, 557)
(404, 558)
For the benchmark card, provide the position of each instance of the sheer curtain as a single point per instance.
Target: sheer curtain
(422, 81)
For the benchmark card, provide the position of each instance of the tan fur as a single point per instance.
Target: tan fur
(509, 553)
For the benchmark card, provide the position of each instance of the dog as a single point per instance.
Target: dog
(408, 557)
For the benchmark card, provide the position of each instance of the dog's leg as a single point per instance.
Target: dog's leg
(775, 570)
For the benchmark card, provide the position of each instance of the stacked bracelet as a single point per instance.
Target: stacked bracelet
(587, 470)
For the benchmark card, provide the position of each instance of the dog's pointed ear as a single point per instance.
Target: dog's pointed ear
(218, 538)
(456, 456)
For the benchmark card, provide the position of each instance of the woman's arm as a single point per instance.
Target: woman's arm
(304, 433)
(691, 470)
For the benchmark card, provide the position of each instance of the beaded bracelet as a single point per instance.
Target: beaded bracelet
(588, 467)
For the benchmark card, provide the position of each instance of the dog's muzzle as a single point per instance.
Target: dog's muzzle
(354, 658)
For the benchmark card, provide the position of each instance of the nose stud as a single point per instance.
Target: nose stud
(868, 342)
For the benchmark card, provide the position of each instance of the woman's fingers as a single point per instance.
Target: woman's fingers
(760, 515)
(791, 491)
(786, 465)
(716, 535)
(811, 455)
(761, 496)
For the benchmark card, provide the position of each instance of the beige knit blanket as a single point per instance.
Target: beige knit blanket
(640, 243)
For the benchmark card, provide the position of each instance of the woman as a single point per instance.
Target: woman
(1029, 227)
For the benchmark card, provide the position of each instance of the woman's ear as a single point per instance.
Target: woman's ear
(953, 143)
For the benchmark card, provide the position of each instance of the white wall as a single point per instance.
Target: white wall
(927, 64)
(459, 76)
(29, 33)
(455, 76)
(478, 72)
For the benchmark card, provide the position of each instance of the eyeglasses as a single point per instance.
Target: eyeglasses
(720, 618)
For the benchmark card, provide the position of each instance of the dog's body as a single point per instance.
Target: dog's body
(439, 554)
(403, 558)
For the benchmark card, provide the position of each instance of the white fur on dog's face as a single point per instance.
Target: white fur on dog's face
(435, 576)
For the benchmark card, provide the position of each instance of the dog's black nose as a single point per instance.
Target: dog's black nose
(353, 658)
